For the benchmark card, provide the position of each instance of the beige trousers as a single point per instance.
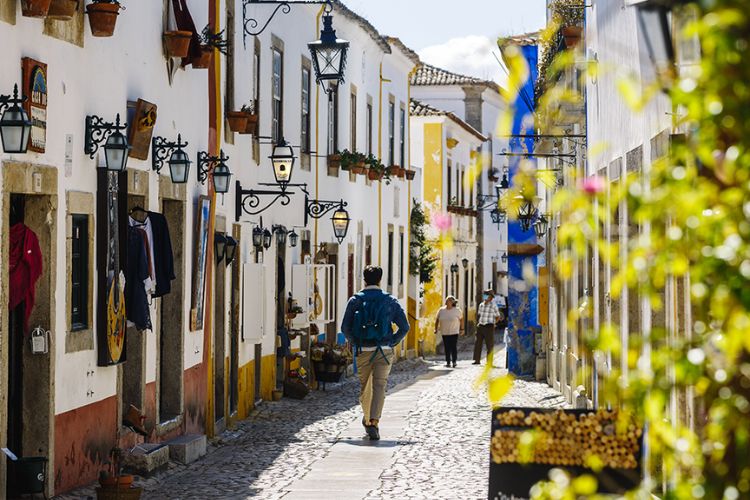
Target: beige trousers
(373, 377)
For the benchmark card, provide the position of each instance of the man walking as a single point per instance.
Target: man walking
(487, 317)
(367, 324)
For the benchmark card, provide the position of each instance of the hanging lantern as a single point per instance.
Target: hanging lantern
(15, 125)
(179, 166)
(267, 238)
(258, 237)
(282, 160)
(329, 53)
(220, 242)
(221, 176)
(230, 250)
(540, 226)
(293, 238)
(116, 151)
(341, 222)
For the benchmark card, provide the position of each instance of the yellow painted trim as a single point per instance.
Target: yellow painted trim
(317, 137)
(380, 155)
(411, 303)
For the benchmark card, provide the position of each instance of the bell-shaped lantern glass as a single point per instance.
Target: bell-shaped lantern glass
(282, 161)
(221, 176)
(258, 237)
(179, 166)
(281, 236)
(541, 226)
(267, 237)
(293, 238)
(15, 130)
(116, 152)
(340, 221)
(230, 250)
(329, 54)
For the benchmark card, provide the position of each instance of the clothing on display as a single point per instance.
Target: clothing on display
(136, 276)
(163, 257)
(25, 259)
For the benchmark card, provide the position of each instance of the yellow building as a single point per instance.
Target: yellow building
(446, 151)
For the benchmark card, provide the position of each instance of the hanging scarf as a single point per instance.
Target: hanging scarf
(25, 268)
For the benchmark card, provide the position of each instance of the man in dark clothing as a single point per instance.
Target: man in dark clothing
(374, 358)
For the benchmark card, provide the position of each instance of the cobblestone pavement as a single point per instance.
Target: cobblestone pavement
(441, 450)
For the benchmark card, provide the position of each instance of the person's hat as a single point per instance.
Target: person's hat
(451, 297)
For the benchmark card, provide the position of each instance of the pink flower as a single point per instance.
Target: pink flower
(443, 222)
(592, 185)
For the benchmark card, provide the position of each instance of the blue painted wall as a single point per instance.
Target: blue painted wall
(523, 297)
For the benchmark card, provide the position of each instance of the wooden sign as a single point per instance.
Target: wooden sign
(35, 88)
(572, 440)
(141, 129)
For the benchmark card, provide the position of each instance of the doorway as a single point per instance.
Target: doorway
(234, 329)
(30, 376)
(219, 345)
(281, 303)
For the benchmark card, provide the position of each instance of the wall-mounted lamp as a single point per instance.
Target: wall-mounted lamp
(281, 234)
(217, 167)
(465, 262)
(116, 147)
(293, 238)
(504, 258)
(541, 226)
(230, 250)
(282, 160)
(454, 268)
(341, 222)
(328, 54)
(220, 243)
(15, 125)
(179, 162)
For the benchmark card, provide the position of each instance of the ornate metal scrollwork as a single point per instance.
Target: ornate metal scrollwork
(97, 131)
(250, 25)
(161, 149)
(250, 201)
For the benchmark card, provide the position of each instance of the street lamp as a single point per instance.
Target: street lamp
(116, 146)
(15, 125)
(281, 234)
(220, 244)
(498, 216)
(282, 160)
(216, 165)
(526, 211)
(540, 226)
(454, 268)
(340, 220)
(258, 237)
(504, 258)
(179, 162)
(293, 238)
(267, 237)
(230, 250)
(221, 177)
(328, 54)
(465, 262)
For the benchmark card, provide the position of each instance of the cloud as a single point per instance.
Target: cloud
(470, 55)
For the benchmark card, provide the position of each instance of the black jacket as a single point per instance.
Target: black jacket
(136, 270)
(164, 265)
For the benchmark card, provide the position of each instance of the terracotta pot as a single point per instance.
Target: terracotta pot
(102, 18)
(237, 121)
(122, 481)
(252, 124)
(374, 175)
(334, 161)
(572, 35)
(177, 43)
(410, 174)
(35, 8)
(62, 10)
(204, 61)
(358, 169)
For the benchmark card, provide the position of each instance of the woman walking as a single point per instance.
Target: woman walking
(449, 323)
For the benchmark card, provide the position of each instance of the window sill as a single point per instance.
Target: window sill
(79, 340)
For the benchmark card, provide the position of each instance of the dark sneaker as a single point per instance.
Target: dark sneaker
(475, 363)
(454, 364)
(373, 433)
(447, 365)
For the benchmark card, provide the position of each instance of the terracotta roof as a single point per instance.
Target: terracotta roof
(432, 75)
(418, 108)
(413, 57)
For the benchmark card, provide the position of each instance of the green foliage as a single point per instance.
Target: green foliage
(351, 158)
(422, 257)
(689, 379)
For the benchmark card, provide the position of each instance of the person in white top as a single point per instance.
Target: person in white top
(449, 323)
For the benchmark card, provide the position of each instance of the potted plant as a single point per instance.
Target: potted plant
(62, 10)
(410, 174)
(204, 61)
(103, 16)
(113, 484)
(177, 43)
(240, 121)
(34, 8)
(375, 170)
(334, 161)
(568, 14)
(209, 42)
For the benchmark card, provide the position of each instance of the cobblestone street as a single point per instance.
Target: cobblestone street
(435, 434)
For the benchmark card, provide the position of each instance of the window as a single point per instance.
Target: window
(461, 188)
(368, 118)
(353, 121)
(390, 259)
(401, 257)
(333, 121)
(402, 138)
(79, 272)
(305, 126)
(449, 182)
(277, 85)
(391, 132)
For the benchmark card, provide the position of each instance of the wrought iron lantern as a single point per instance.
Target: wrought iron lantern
(329, 53)
(454, 268)
(293, 239)
(526, 211)
(116, 147)
(498, 216)
(230, 250)
(267, 237)
(258, 237)
(179, 162)
(221, 177)
(15, 125)
(220, 244)
(541, 226)
(340, 220)
(504, 258)
(211, 164)
(281, 234)
(465, 262)
(282, 160)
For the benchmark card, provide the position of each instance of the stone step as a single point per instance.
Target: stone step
(188, 448)
(147, 458)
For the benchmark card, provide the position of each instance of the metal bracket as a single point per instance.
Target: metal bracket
(248, 200)
(250, 25)
(161, 149)
(97, 131)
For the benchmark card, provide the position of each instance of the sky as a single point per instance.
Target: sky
(457, 35)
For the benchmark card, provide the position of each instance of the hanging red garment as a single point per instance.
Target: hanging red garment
(25, 268)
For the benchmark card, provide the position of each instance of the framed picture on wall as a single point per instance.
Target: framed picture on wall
(199, 263)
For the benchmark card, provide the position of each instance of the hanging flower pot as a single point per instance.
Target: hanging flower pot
(572, 35)
(35, 8)
(252, 124)
(204, 61)
(410, 174)
(62, 10)
(102, 17)
(374, 175)
(237, 120)
(334, 161)
(177, 43)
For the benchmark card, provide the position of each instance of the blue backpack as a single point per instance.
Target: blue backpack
(372, 320)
